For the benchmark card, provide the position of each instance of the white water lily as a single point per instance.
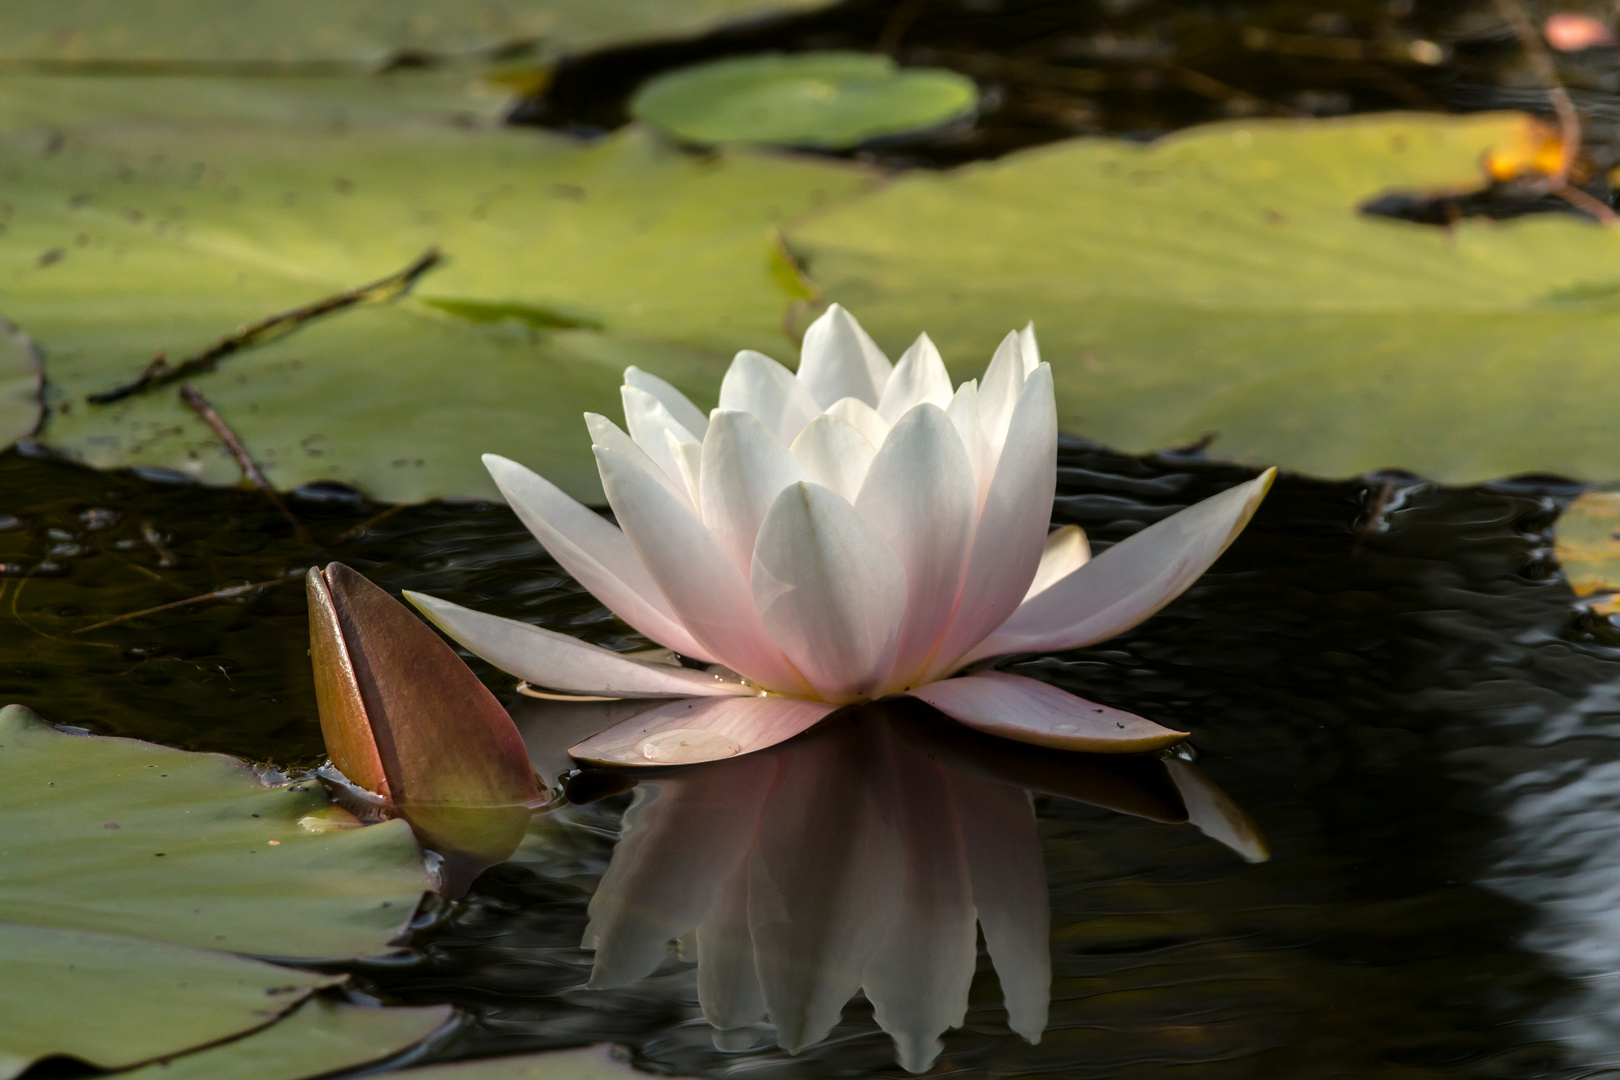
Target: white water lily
(853, 531)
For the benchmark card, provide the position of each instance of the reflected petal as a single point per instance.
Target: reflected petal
(839, 359)
(728, 987)
(693, 730)
(756, 384)
(1015, 707)
(1215, 813)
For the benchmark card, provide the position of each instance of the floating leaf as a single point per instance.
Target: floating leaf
(1222, 281)
(820, 99)
(120, 836)
(320, 1037)
(158, 214)
(113, 1001)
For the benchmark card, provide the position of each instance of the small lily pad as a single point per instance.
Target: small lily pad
(1588, 543)
(827, 100)
(113, 1001)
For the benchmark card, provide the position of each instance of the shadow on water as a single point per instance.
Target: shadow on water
(1388, 675)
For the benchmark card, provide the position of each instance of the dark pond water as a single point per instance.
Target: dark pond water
(1387, 675)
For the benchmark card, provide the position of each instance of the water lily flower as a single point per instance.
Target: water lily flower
(853, 531)
(406, 721)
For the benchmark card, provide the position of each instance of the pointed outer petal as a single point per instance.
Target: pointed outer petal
(821, 883)
(964, 413)
(1029, 349)
(1022, 709)
(755, 383)
(1131, 580)
(559, 662)
(594, 552)
(1012, 527)
(605, 432)
(833, 454)
(919, 376)
(694, 573)
(441, 736)
(686, 414)
(1215, 814)
(693, 730)
(999, 391)
(918, 977)
(648, 421)
(919, 496)
(745, 468)
(549, 728)
(728, 988)
(689, 460)
(862, 417)
(1008, 875)
(1066, 551)
(839, 359)
(830, 590)
(344, 724)
(681, 839)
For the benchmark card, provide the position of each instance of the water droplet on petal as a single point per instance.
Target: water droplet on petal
(685, 746)
(1065, 729)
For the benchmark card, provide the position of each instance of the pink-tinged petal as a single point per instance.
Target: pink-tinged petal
(1215, 814)
(686, 414)
(1066, 551)
(1011, 531)
(693, 730)
(862, 417)
(839, 359)
(702, 585)
(605, 432)
(756, 384)
(964, 413)
(744, 469)
(1009, 891)
(649, 424)
(1131, 580)
(830, 590)
(834, 454)
(919, 495)
(594, 552)
(1014, 707)
(550, 727)
(559, 662)
(728, 987)
(918, 376)
(689, 459)
(1029, 350)
(999, 391)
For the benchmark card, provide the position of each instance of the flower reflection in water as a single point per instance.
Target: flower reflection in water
(864, 856)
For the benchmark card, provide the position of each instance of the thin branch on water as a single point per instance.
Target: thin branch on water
(217, 594)
(160, 373)
(250, 468)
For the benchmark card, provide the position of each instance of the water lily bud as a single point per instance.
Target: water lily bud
(405, 719)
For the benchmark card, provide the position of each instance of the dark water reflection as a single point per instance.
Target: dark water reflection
(1406, 701)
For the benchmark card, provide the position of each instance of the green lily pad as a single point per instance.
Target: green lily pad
(124, 837)
(1223, 281)
(161, 213)
(829, 100)
(113, 1001)
(284, 32)
(587, 1063)
(320, 1037)
(20, 375)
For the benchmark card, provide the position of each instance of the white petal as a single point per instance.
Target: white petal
(605, 432)
(679, 405)
(1214, 812)
(1025, 710)
(1030, 351)
(649, 423)
(830, 590)
(839, 359)
(728, 988)
(964, 413)
(1131, 580)
(689, 459)
(703, 586)
(594, 552)
(693, 730)
(559, 662)
(550, 727)
(834, 455)
(755, 383)
(1012, 526)
(919, 376)
(744, 469)
(1066, 551)
(999, 391)
(862, 417)
(919, 495)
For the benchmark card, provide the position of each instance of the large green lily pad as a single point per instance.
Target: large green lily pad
(124, 837)
(113, 1001)
(200, 32)
(1222, 281)
(160, 213)
(828, 100)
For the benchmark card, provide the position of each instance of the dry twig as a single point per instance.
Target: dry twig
(250, 468)
(217, 594)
